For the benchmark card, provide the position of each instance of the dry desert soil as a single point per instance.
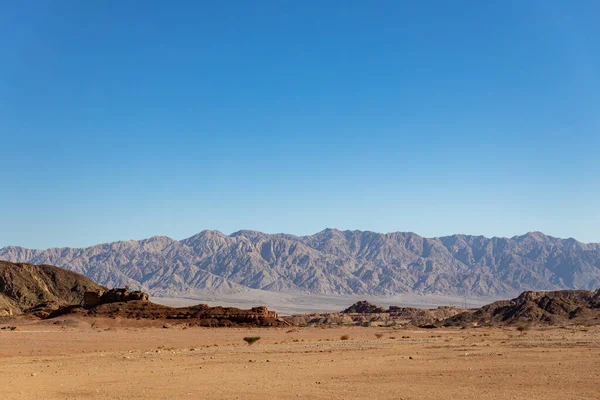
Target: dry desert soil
(118, 359)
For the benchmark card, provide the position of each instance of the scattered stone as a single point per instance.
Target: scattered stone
(9, 328)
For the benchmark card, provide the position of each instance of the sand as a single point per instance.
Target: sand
(113, 359)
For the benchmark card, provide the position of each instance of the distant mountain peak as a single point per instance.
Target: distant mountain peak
(536, 235)
(247, 233)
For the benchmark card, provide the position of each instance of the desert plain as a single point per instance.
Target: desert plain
(104, 358)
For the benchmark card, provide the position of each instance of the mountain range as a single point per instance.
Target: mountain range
(331, 262)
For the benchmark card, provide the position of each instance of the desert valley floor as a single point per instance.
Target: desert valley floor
(126, 359)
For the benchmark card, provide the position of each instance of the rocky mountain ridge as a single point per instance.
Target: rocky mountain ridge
(331, 262)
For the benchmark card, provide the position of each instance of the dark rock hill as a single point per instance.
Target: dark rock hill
(363, 307)
(558, 307)
(25, 286)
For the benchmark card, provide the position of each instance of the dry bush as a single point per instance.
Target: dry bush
(251, 339)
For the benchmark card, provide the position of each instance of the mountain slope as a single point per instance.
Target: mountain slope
(23, 286)
(332, 262)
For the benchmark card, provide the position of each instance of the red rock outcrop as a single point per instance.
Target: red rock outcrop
(199, 315)
(94, 298)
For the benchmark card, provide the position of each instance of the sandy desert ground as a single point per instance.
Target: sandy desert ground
(113, 359)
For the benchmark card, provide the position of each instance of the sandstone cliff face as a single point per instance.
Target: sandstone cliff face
(332, 262)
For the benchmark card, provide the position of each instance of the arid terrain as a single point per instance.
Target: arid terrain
(87, 358)
(63, 336)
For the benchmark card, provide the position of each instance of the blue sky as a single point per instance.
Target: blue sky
(123, 120)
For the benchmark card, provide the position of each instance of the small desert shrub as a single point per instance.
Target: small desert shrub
(522, 328)
(251, 339)
(344, 337)
(379, 335)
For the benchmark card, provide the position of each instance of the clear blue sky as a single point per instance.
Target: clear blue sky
(128, 119)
